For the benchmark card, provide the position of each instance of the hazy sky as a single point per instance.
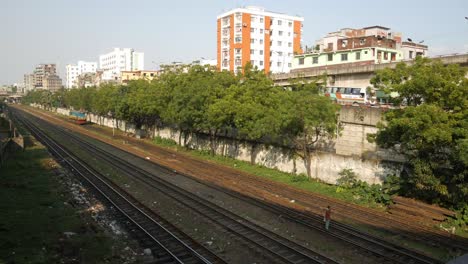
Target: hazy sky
(65, 31)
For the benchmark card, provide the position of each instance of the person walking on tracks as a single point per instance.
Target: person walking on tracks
(327, 217)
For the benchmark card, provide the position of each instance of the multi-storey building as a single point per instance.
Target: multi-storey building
(41, 71)
(348, 47)
(120, 60)
(73, 71)
(266, 39)
(52, 83)
(28, 82)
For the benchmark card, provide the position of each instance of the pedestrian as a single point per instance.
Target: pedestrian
(327, 217)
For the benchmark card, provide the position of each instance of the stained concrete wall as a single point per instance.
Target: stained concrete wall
(350, 150)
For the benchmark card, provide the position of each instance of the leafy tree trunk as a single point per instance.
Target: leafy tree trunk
(213, 133)
(186, 135)
(307, 161)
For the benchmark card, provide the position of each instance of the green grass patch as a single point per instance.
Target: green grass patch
(34, 216)
(300, 181)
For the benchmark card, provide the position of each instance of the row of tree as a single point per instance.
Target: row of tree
(203, 100)
(430, 128)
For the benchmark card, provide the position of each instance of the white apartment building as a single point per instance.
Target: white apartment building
(73, 71)
(118, 60)
(267, 40)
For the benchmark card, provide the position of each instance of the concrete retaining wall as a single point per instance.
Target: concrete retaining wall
(351, 148)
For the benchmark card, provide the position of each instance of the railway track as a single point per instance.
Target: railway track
(281, 249)
(394, 226)
(387, 252)
(164, 239)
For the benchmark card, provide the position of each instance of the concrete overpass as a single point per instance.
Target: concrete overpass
(354, 74)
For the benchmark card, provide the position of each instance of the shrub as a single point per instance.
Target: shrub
(348, 179)
(164, 141)
(299, 178)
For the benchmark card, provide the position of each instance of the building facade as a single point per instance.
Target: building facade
(357, 47)
(52, 83)
(411, 50)
(41, 71)
(73, 71)
(266, 39)
(118, 60)
(127, 76)
(89, 79)
(28, 82)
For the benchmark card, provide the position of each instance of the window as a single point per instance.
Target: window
(252, 30)
(358, 55)
(280, 22)
(289, 65)
(280, 33)
(252, 41)
(261, 52)
(344, 43)
(289, 44)
(314, 60)
(344, 57)
(252, 51)
(330, 57)
(237, 39)
(356, 91)
(261, 63)
(237, 51)
(280, 53)
(385, 55)
(279, 43)
(362, 41)
(289, 34)
(278, 64)
(261, 41)
(365, 52)
(261, 31)
(252, 62)
(261, 20)
(289, 24)
(301, 61)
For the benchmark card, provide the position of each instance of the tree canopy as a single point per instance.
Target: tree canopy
(199, 99)
(430, 128)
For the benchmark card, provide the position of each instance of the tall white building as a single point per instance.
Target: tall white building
(73, 71)
(120, 60)
(267, 40)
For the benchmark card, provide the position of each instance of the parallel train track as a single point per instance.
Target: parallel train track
(388, 252)
(164, 239)
(281, 250)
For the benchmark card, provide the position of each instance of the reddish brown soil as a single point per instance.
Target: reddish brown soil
(254, 186)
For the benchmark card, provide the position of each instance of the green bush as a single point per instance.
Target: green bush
(365, 192)
(299, 178)
(348, 179)
(164, 141)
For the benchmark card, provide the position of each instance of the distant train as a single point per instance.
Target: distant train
(78, 117)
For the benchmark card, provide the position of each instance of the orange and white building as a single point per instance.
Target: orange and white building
(266, 39)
